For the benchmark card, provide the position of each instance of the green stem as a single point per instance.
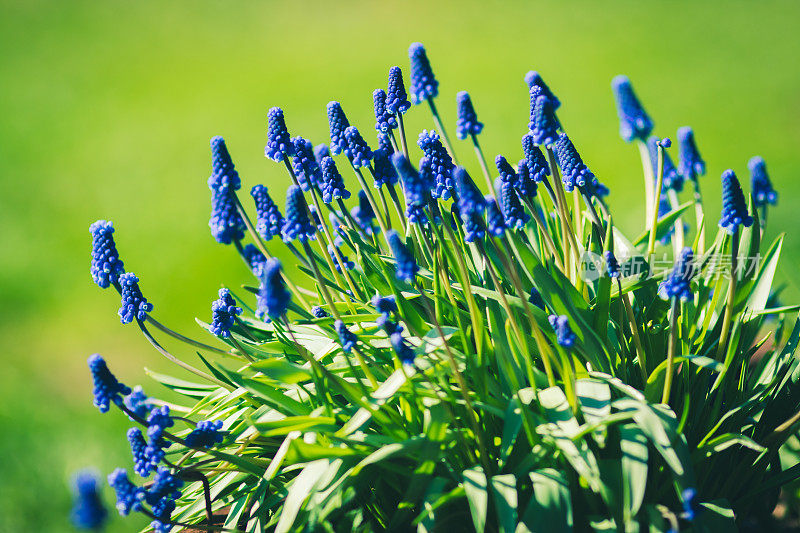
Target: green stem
(484, 166)
(729, 304)
(440, 126)
(673, 344)
(651, 242)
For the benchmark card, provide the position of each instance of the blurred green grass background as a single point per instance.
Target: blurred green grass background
(106, 109)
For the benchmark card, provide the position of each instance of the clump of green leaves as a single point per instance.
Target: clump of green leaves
(656, 415)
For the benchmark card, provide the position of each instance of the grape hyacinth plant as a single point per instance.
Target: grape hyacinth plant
(430, 353)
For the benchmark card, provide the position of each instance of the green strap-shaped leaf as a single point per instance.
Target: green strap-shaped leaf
(550, 507)
(474, 481)
(504, 494)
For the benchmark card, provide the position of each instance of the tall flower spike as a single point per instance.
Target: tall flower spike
(385, 173)
(157, 423)
(761, 186)
(129, 496)
(161, 497)
(734, 208)
(441, 164)
(537, 164)
(533, 79)
(423, 82)
(564, 335)
(612, 266)
(106, 267)
(544, 124)
(495, 221)
(359, 152)
(470, 198)
(133, 305)
(297, 224)
(279, 144)
(137, 402)
(273, 297)
(574, 172)
(363, 213)
(416, 189)
(406, 264)
(396, 97)
(106, 387)
(269, 219)
(223, 314)
(384, 120)
(672, 179)
(514, 212)
(525, 184)
(222, 165)
(404, 352)
(691, 165)
(507, 173)
(88, 512)
(678, 283)
(434, 182)
(337, 122)
(226, 223)
(206, 434)
(332, 185)
(467, 118)
(304, 163)
(634, 123)
(347, 338)
(473, 226)
(141, 461)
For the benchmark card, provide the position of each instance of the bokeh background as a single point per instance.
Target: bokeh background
(106, 110)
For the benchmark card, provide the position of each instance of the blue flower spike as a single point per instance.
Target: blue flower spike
(396, 97)
(495, 221)
(690, 165)
(564, 334)
(678, 283)
(734, 207)
(543, 124)
(106, 266)
(129, 496)
(88, 511)
(423, 82)
(332, 185)
(612, 266)
(384, 120)
(134, 306)
(269, 219)
(347, 338)
(467, 124)
(279, 143)
(206, 434)
(634, 122)
(538, 168)
(407, 267)
(385, 173)
(574, 172)
(337, 122)
(223, 314)
(761, 186)
(273, 296)
(359, 152)
(304, 163)
(107, 389)
(403, 350)
(297, 224)
(513, 210)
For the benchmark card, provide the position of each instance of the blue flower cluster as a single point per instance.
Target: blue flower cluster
(106, 267)
(88, 511)
(273, 296)
(441, 163)
(332, 186)
(206, 434)
(269, 219)
(403, 350)
(133, 305)
(384, 119)
(359, 152)
(537, 164)
(384, 171)
(564, 334)
(691, 165)
(495, 221)
(634, 122)
(106, 387)
(423, 82)
(347, 338)
(543, 124)
(467, 123)
(574, 172)
(513, 210)
(763, 193)
(297, 225)
(304, 163)
(226, 223)
(337, 122)
(363, 213)
(534, 79)
(279, 143)
(678, 284)
(734, 208)
(223, 314)
(396, 97)
(407, 267)
(612, 266)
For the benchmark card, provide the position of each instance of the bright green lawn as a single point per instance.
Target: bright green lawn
(106, 109)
